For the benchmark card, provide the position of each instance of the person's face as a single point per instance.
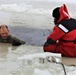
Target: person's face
(4, 32)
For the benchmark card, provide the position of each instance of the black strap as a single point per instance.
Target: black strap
(69, 41)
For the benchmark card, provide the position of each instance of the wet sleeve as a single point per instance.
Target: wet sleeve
(17, 42)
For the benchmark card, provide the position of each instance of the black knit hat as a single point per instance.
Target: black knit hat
(56, 14)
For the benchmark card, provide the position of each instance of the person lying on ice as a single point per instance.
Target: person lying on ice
(6, 38)
(63, 37)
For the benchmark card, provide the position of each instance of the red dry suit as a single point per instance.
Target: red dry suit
(63, 37)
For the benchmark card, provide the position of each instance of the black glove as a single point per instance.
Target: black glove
(16, 43)
(50, 41)
(46, 44)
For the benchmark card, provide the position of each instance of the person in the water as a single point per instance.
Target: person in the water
(5, 37)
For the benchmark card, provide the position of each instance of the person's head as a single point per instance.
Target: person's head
(56, 14)
(60, 13)
(4, 32)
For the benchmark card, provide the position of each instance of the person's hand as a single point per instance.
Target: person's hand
(46, 44)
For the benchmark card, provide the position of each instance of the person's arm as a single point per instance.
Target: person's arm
(54, 36)
(17, 42)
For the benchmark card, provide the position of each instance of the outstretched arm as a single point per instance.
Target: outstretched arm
(17, 42)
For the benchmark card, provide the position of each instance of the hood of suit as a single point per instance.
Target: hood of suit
(61, 13)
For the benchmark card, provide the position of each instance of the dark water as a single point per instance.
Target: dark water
(32, 36)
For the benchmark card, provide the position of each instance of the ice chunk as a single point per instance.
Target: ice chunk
(41, 58)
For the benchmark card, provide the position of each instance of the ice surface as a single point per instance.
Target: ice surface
(41, 72)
